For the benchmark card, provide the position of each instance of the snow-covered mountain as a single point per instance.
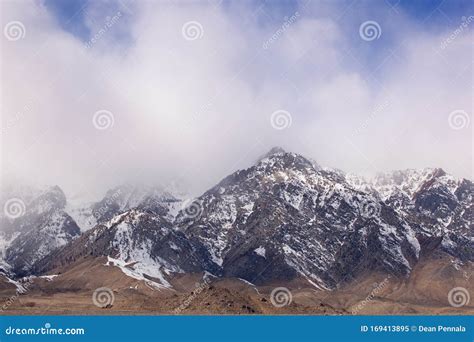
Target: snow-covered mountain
(285, 217)
(142, 243)
(282, 219)
(121, 199)
(434, 203)
(34, 223)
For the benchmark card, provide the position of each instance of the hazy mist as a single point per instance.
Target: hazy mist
(193, 104)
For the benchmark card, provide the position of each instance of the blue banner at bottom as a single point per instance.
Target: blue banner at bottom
(237, 328)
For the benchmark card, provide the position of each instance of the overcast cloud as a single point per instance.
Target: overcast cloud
(194, 101)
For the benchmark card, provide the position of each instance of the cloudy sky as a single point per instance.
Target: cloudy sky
(96, 93)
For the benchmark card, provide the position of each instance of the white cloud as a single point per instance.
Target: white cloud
(197, 110)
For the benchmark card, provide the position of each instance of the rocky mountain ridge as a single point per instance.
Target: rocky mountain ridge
(282, 219)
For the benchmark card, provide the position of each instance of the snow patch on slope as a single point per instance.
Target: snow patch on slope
(137, 270)
(260, 251)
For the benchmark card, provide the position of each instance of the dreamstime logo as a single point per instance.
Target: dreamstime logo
(198, 289)
(369, 208)
(203, 110)
(278, 33)
(370, 30)
(14, 30)
(99, 213)
(375, 291)
(14, 208)
(458, 119)
(103, 119)
(192, 30)
(379, 109)
(465, 22)
(103, 297)
(269, 219)
(458, 296)
(281, 119)
(23, 288)
(281, 297)
(11, 122)
(192, 209)
(397, 204)
(109, 22)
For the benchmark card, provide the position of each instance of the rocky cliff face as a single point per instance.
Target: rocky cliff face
(33, 227)
(144, 245)
(285, 217)
(435, 204)
(282, 219)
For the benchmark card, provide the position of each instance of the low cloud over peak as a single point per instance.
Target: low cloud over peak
(158, 91)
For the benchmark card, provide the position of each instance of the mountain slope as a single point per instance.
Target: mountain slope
(285, 218)
(435, 204)
(40, 227)
(123, 198)
(142, 244)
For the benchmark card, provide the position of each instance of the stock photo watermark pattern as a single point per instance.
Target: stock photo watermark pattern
(192, 209)
(110, 21)
(459, 119)
(370, 30)
(14, 30)
(280, 297)
(369, 208)
(462, 28)
(306, 159)
(103, 297)
(192, 30)
(107, 205)
(14, 208)
(281, 119)
(200, 287)
(378, 288)
(22, 288)
(458, 297)
(103, 119)
(278, 33)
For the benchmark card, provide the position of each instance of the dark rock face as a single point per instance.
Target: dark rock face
(126, 197)
(435, 205)
(43, 227)
(144, 244)
(283, 218)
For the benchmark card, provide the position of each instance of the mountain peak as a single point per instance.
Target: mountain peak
(273, 151)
